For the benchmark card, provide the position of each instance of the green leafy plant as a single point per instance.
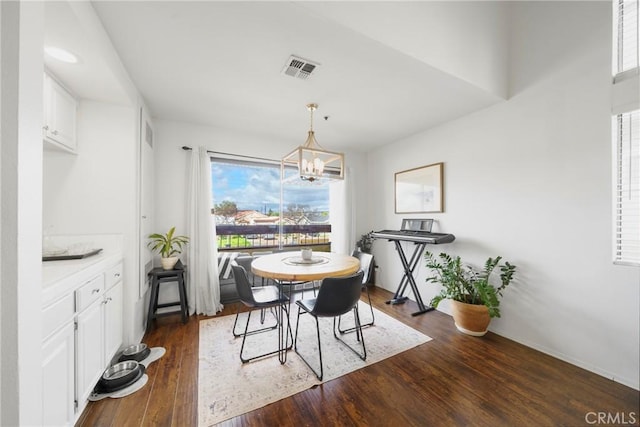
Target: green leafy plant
(168, 244)
(366, 242)
(465, 284)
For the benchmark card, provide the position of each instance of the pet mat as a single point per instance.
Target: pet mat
(155, 354)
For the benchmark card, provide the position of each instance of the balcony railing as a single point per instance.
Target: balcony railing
(267, 237)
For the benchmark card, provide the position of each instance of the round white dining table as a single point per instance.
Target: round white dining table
(289, 266)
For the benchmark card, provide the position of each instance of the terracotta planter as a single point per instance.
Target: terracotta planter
(470, 319)
(169, 263)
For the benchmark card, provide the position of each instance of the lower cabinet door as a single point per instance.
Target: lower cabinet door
(113, 321)
(90, 350)
(58, 373)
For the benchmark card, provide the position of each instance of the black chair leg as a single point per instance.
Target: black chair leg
(364, 325)
(320, 374)
(267, 328)
(244, 336)
(281, 349)
(373, 317)
(358, 328)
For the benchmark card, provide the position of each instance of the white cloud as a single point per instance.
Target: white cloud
(258, 188)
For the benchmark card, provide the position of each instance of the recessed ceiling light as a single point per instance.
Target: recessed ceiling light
(61, 54)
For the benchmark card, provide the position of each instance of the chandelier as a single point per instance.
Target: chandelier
(313, 161)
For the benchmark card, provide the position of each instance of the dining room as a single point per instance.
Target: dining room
(507, 116)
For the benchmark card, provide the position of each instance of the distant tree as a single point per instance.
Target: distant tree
(226, 209)
(297, 213)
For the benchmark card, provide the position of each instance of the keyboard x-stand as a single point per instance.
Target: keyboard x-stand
(420, 239)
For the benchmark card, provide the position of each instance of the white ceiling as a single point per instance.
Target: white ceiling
(388, 69)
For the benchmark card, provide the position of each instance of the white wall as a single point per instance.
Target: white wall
(1, 245)
(21, 134)
(89, 192)
(94, 192)
(530, 179)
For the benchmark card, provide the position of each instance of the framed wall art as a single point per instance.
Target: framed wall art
(420, 189)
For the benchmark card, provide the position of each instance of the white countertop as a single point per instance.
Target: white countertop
(60, 277)
(54, 271)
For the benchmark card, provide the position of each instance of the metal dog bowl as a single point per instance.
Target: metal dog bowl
(120, 370)
(120, 375)
(137, 352)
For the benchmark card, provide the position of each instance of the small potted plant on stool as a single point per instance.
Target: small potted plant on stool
(168, 246)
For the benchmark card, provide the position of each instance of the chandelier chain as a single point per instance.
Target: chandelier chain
(312, 108)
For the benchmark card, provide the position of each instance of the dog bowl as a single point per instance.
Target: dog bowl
(137, 352)
(119, 376)
(120, 370)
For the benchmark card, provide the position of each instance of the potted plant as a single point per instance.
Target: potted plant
(168, 246)
(474, 299)
(365, 243)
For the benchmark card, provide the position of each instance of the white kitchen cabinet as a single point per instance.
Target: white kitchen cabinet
(90, 361)
(113, 326)
(82, 332)
(60, 110)
(58, 373)
(99, 332)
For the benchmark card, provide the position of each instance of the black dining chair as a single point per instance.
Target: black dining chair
(336, 296)
(245, 261)
(366, 266)
(262, 297)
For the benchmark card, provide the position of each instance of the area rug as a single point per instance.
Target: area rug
(228, 388)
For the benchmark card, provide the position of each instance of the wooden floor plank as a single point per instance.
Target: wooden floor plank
(186, 406)
(454, 380)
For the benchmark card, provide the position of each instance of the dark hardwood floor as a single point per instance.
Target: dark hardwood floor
(454, 380)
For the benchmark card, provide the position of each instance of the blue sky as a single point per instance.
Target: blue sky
(258, 188)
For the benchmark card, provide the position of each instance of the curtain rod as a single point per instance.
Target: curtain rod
(186, 148)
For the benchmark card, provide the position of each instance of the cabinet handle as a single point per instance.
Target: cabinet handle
(95, 291)
(55, 132)
(45, 127)
(117, 275)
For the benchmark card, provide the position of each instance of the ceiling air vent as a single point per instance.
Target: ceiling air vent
(299, 67)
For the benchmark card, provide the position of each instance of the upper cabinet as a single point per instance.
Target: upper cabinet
(60, 109)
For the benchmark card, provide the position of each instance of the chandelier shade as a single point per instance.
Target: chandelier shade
(313, 161)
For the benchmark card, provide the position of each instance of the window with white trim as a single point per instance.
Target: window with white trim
(627, 189)
(627, 39)
(256, 208)
(626, 135)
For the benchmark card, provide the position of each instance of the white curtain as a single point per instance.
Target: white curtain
(342, 219)
(203, 290)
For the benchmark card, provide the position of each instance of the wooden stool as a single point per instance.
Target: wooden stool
(159, 275)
